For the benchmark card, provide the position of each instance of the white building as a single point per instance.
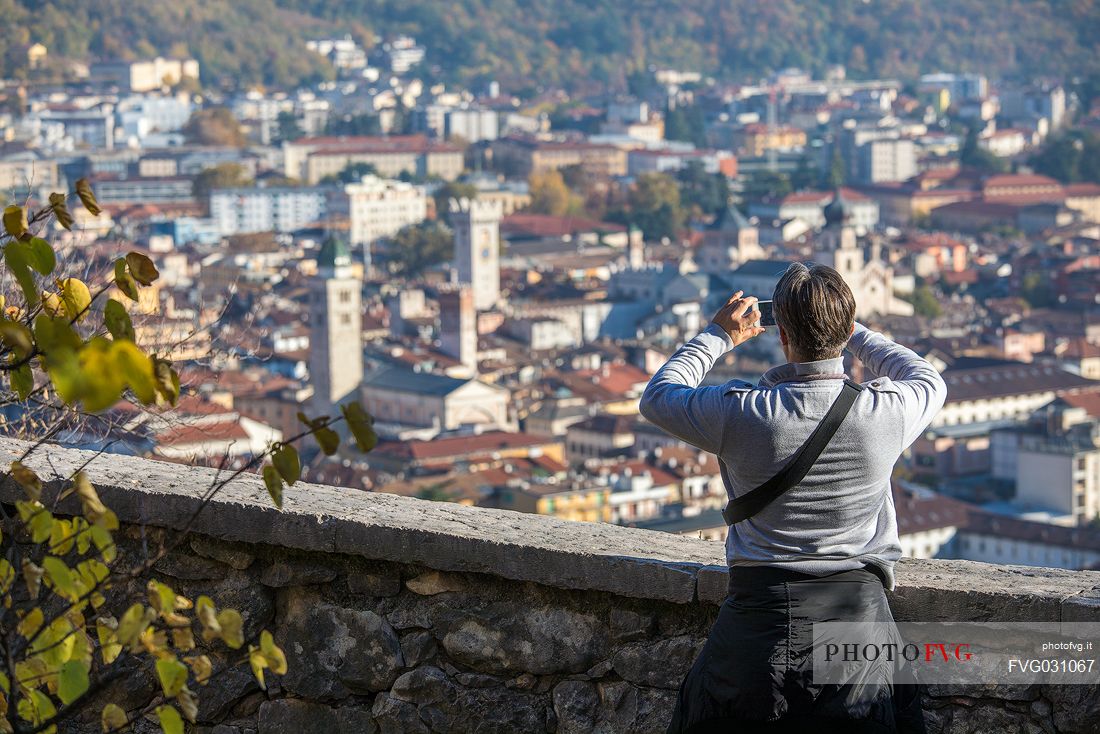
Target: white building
(382, 207)
(404, 54)
(881, 161)
(809, 207)
(268, 209)
(543, 333)
(870, 279)
(1054, 461)
(472, 124)
(145, 119)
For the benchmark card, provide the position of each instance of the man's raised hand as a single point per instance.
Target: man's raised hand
(738, 318)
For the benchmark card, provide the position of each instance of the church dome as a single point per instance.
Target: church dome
(334, 252)
(730, 219)
(837, 211)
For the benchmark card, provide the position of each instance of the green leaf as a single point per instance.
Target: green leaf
(37, 518)
(17, 258)
(87, 197)
(31, 623)
(37, 707)
(286, 461)
(170, 720)
(136, 369)
(27, 479)
(16, 337)
(72, 681)
(276, 660)
(77, 299)
(7, 575)
(60, 576)
(232, 626)
(328, 440)
(274, 484)
(22, 380)
(172, 675)
(41, 256)
(99, 381)
(168, 380)
(104, 543)
(117, 320)
(54, 334)
(61, 210)
(361, 425)
(257, 662)
(124, 281)
(142, 268)
(113, 718)
(15, 221)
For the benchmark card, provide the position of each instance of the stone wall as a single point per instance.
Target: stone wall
(399, 615)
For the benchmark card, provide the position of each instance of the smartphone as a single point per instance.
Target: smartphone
(767, 316)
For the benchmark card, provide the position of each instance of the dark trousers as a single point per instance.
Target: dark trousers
(754, 674)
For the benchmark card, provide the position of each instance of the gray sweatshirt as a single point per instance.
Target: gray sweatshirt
(842, 514)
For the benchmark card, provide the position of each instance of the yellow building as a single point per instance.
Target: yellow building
(586, 503)
(756, 139)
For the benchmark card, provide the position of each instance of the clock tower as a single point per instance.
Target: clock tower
(477, 248)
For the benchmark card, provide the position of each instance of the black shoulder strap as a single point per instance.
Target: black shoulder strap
(752, 502)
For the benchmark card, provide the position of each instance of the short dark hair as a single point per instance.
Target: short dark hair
(816, 309)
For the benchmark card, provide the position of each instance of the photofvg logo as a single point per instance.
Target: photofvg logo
(956, 652)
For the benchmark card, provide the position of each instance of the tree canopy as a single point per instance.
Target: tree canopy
(243, 42)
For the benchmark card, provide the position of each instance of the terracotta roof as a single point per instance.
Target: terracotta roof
(1010, 378)
(1090, 401)
(822, 197)
(928, 510)
(375, 144)
(458, 447)
(1081, 189)
(187, 435)
(607, 424)
(616, 378)
(1013, 528)
(1018, 179)
(543, 225)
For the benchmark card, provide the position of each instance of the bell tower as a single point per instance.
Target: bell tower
(477, 248)
(336, 330)
(836, 245)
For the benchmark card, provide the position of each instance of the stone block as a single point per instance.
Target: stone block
(236, 555)
(576, 705)
(332, 651)
(625, 707)
(294, 716)
(417, 648)
(627, 625)
(511, 638)
(658, 663)
(394, 715)
(371, 584)
(1075, 709)
(298, 572)
(712, 584)
(434, 582)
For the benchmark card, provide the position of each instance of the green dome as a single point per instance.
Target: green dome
(837, 211)
(334, 252)
(730, 219)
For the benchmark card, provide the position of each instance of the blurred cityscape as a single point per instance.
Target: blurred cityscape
(496, 273)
